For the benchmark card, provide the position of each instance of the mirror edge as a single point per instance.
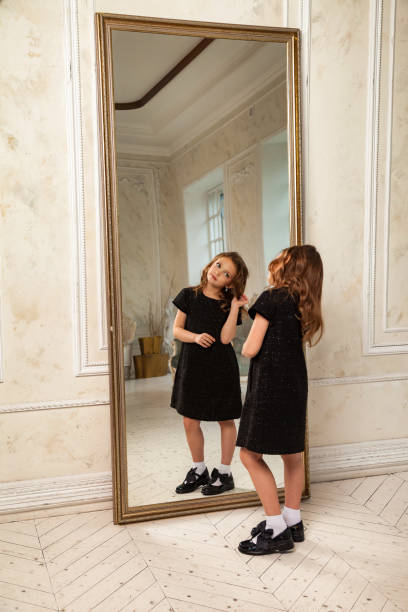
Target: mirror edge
(104, 24)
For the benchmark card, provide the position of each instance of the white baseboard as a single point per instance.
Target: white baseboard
(327, 463)
(341, 461)
(43, 493)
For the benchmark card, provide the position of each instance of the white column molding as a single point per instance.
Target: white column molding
(379, 97)
(83, 366)
(1, 325)
(285, 13)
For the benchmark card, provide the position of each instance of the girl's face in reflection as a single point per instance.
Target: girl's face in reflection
(221, 273)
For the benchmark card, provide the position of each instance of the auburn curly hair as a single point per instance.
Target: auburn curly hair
(238, 282)
(300, 270)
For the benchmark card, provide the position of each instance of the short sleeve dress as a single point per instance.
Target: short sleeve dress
(206, 385)
(273, 418)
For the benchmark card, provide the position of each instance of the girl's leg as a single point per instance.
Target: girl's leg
(228, 439)
(263, 479)
(195, 438)
(198, 474)
(294, 475)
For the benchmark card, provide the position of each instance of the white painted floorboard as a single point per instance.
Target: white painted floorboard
(355, 558)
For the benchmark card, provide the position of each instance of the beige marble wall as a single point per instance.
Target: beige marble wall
(152, 237)
(38, 255)
(242, 192)
(38, 319)
(139, 246)
(356, 403)
(232, 138)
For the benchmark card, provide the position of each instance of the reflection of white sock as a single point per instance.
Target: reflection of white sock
(199, 466)
(276, 523)
(291, 516)
(223, 469)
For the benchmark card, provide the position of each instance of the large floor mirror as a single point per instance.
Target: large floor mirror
(201, 154)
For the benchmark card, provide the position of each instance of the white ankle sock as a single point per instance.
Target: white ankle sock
(275, 522)
(291, 516)
(223, 469)
(199, 466)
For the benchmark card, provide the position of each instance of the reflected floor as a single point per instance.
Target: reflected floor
(158, 455)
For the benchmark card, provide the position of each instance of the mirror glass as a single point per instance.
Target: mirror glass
(202, 166)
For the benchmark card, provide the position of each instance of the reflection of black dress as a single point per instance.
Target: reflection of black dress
(206, 386)
(274, 412)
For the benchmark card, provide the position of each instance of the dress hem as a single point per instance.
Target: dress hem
(197, 418)
(269, 452)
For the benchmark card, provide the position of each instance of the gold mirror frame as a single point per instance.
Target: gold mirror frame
(105, 23)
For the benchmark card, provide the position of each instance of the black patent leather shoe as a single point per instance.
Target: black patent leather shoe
(193, 481)
(266, 544)
(227, 483)
(298, 533)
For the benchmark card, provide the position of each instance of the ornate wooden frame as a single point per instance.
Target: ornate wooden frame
(105, 23)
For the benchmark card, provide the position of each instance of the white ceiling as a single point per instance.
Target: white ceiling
(227, 75)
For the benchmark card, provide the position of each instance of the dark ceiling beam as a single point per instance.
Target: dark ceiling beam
(203, 44)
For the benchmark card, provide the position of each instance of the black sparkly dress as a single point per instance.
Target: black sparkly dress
(273, 418)
(206, 385)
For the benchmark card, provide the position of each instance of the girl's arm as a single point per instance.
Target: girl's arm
(255, 338)
(204, 340)
(229, 328)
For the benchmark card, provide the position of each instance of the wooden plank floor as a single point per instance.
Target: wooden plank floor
(355, 557)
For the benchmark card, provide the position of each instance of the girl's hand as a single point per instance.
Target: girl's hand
(239, 301)
(204, 340)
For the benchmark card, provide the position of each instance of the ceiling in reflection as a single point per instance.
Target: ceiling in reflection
(226, 77)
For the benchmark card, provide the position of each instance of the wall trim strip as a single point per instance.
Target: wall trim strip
(51, 492)
(341, 461)
(356, 380)
(52, 405)
(326, 463)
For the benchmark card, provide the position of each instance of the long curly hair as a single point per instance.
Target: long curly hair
(238, 282)
(300, 270)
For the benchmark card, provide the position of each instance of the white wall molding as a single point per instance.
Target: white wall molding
(52, 405)
(83, 365)
(326, 463)
(305, 62)
(356, 380)
(52, 492)
(1, 336)
(372, 205)
(356, 460)
(387, 207)
(285, 13)
(238, 176)
(99, 197)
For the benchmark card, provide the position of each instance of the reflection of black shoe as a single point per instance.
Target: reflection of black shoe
(227, 483)
(192, 481)
(266, 544)
(297, 531)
